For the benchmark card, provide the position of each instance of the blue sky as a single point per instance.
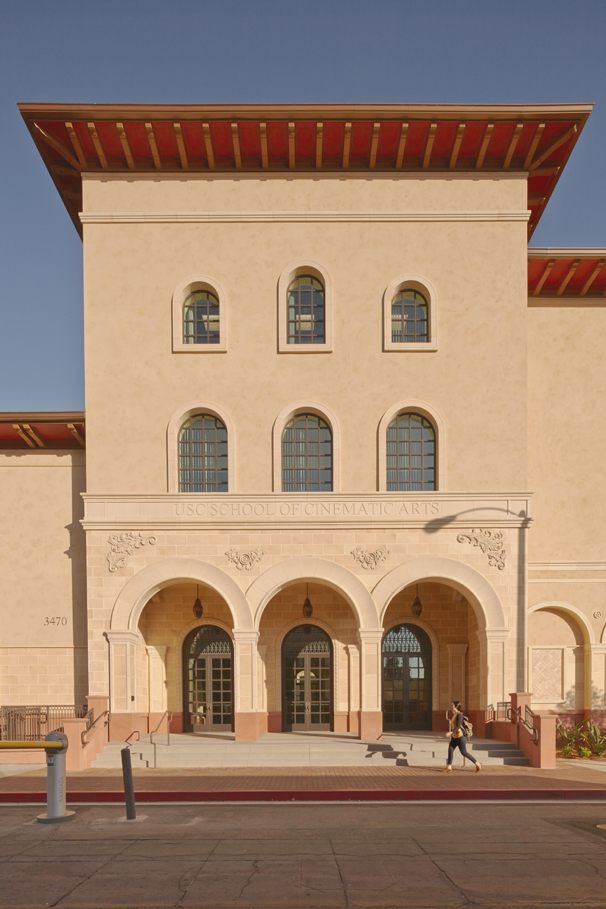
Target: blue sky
(247, 51)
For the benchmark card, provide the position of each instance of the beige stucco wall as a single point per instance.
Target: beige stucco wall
(43, 578)
(135, 383)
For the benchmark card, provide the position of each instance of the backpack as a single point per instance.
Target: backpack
(467, 727)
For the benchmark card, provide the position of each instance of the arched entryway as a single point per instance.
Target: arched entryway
(208, 680)
(307, 680)
(406, 678)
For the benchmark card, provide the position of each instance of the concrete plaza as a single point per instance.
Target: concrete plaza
(314, 856)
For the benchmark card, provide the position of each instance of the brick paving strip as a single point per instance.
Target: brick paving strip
(310, 783)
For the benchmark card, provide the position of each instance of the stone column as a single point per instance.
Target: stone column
(262, 686)
(122, 670)
(597, 674)
(456, 673)
(246, 720)
(353, 654)
(371, 715)
(156, 678)
(493, 666)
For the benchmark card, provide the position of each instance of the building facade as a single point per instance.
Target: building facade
(344, 431)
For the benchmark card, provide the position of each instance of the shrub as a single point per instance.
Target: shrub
(583, 750)
(570, 734)
(567, 750)
(595, 740)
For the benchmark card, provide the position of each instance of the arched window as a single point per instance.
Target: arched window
(203, 455)
(411, 454)
(305, 323)
(307, 455)
(409, 322)
(201, 318)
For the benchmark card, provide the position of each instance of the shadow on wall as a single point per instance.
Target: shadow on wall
(569, 702)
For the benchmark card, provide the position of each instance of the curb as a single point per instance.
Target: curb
(316, 795)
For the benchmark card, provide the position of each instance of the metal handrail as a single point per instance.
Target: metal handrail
(90, 729)
(134, 732)
(152, 734)
(523, 721)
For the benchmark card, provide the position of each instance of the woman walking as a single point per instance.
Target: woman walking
(458, 739)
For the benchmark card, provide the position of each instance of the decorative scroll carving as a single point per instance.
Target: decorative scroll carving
(369, 560)
(490, 542)
(597, 614)
(244, 561)
(123, 545)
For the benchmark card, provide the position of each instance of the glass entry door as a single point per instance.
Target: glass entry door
(207, 680)
(406, 679)
(307, 680)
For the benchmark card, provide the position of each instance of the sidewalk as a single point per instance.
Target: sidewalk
(326, 784)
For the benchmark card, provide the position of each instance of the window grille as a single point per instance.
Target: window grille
(201, 318)
(411, 454)
(408, 317)
(209, 639)
(203, 455)
(402, 639)
(307, 455)
(306, 311)
(306, 639)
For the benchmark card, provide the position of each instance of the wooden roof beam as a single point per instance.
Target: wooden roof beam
(64, 171)
(31, 432)
(98, 147)
(71, 132)
(319, 142)
(125, 146)
(58, 146)
(181, 146)
(402, 145)
(429, 144)
(512, 145)
(374, 145)
(559, 140)
(346, 145)
(533, 145)
(235, 138)
(209, 146)
(76, 434)
(457, 145)
(264, 153)
(592, 277)
(21, 432)
(536, 200)
(543, 278)
(564, 282)
(153, 145)
(292, 158)
(546, 171)
(484, 146)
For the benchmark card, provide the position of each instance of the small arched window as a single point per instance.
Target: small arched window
(409, 322)
(307, 455)
(201, 318)
(203, 455)
(305, 320)
(411, 454)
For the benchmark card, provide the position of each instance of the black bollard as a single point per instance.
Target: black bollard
(129, 792)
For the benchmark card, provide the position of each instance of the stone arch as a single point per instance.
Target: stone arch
(573, 612)
(140, 588)
(334, 576)
(461, 577)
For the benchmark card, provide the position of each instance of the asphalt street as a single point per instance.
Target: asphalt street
(311, 855)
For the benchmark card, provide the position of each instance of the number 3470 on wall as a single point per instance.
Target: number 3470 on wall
(55, 620)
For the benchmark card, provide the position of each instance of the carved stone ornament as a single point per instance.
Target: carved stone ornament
(490, 542)
(244, 561)
(597, 614)
(123, 545)
(369, 560)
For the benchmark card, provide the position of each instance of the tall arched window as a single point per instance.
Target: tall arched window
(305, 323)
(203, 455)
(409, 321)
(201, 318)
(307, 455)
(411, 454)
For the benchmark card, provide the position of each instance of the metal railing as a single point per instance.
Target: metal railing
(168, 714)
(527, 721)
(32, 723)
(92, 725)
